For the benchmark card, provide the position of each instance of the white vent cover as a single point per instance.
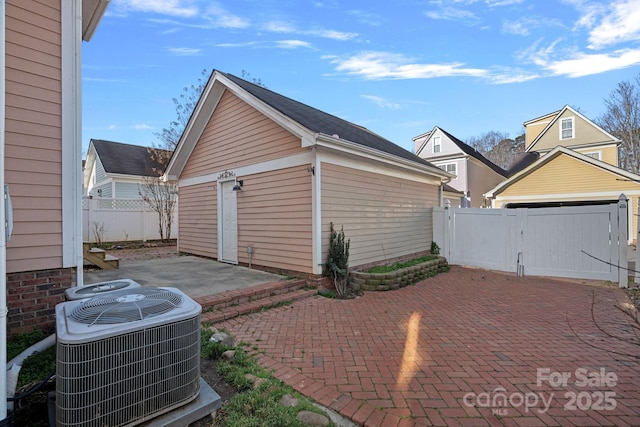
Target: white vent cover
(97, 289)
(126, 356)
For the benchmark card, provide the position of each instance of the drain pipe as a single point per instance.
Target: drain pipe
(15, 364)
(3, 221)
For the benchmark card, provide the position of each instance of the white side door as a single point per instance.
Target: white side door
(228, 215)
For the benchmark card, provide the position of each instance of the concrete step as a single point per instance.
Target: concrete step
(230, 304)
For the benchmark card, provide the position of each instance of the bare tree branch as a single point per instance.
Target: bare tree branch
(498, 147)
(622, 120)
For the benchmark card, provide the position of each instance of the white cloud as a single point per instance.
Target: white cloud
(221, 18)
(450, 13)
(181, 8)
(582, 64)
(279, 27)
(385, 65)
(292, 44)
(331, 34)
(245, 44)
(280, 44)
(519, 28)
(620, 24)
(512, 76)
(185, 51)
(381, 102)
(498, 3)
(287, 28)
(142, 126)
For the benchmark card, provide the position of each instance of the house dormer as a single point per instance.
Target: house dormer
(569, 128)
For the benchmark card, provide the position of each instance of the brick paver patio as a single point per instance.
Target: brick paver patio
(462, 348)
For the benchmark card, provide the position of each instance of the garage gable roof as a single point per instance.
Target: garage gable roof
(559, 150)
(302, 120)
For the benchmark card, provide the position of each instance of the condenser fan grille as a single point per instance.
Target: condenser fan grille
(126, 306)
(105, 287)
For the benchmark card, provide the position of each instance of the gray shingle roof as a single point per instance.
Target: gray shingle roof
(522, 161)
(129, 159)
(475, 153)
(321, 122)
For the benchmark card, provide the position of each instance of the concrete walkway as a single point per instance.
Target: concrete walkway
(195, 276)
(467, 347)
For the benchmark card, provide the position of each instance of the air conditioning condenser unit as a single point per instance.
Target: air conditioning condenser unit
(126, 357)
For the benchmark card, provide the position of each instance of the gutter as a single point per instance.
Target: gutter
(345, 145)
(3, 238)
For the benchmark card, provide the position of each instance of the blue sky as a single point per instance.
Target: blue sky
(399, 68)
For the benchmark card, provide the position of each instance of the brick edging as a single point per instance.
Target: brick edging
(356, 410)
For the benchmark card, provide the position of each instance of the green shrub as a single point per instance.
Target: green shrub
(435, 249)
(337, 265)
(399, 265)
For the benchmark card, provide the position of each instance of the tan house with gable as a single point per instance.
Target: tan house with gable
(570, 161)
(571, 129)
(261, 177)
(42, 148)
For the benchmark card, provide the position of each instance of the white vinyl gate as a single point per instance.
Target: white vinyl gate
(588, 242)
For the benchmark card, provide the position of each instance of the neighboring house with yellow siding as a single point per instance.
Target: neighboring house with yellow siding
(262, 176)
(571, 129)
(570, 161)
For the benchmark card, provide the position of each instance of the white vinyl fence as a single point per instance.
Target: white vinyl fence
(588, 242)
(112, 220)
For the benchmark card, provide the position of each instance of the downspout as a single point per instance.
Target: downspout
(443, 181)
(77, 158)
(317, 212)
(3, 238)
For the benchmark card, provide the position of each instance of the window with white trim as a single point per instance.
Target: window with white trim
(449, 167)
(566, 128)
(595, 155)
(437, 144)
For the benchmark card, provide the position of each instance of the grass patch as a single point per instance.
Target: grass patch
(21, 342)
(260, 406)
(327, 293)
(399, 265)
(37, 367)
(209, 349)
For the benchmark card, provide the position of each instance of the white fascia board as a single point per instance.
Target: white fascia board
(427, 137)
(125, 178)
(301, 159)
(569, 152)
(614, 194)
(205, 109)
(92, 12)
(450, 157)
(89, 164)
(354, 161)
(371, 154)
(193, 130)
